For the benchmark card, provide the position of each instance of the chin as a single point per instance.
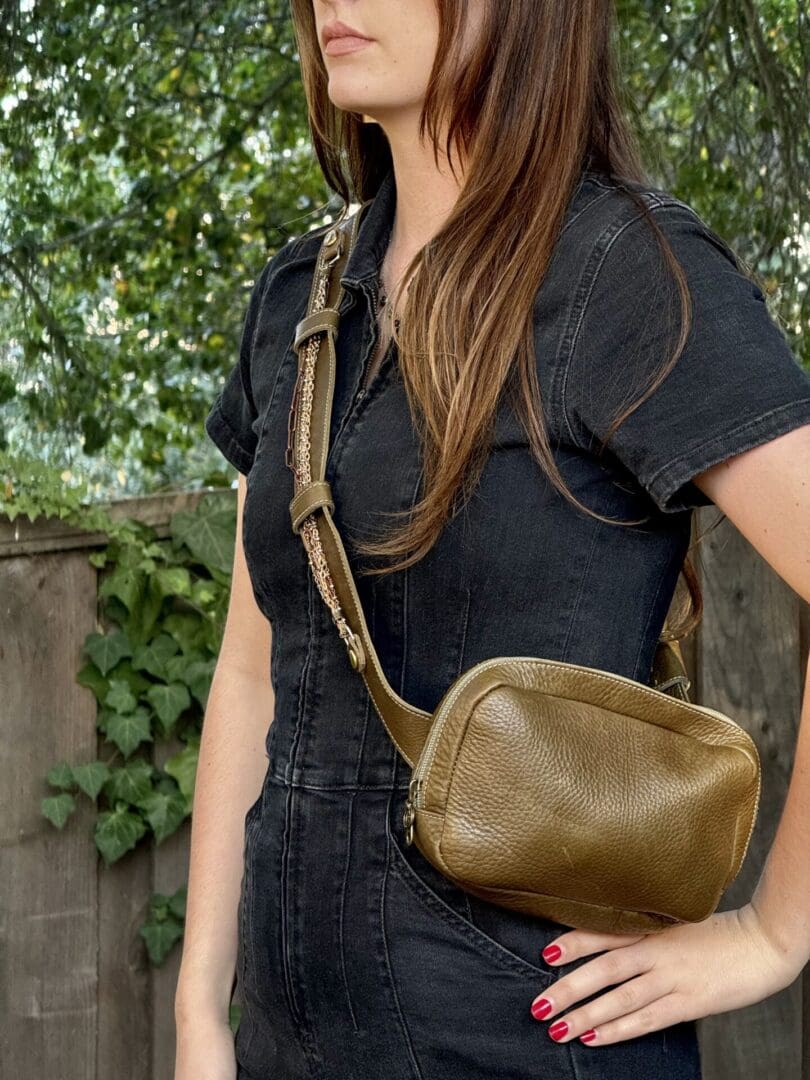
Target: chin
(349, 102)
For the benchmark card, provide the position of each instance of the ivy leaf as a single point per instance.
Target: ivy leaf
(153, 657)
(194, 669)
(143, 619)
(209, 532)
(177, 902)
(105, 650)
(198, 678)
(159, 938)
(120, 697)
(61, 776)
(91, 777)
(129, 730)
(126, 583)
(168, 701)
(117, 831)
(176, 668)
(92, 678)
(174, 581)
(136, 682)
(165, 813)
(132, 783)
(161, 929)
(185, 628)
(183, 767)
(204, 593)
(58, 808)
(234, 1016)
(116, 612)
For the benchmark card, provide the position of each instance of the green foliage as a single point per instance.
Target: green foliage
(151, 159)
(165, 924)
(164, 603)
(720, 94)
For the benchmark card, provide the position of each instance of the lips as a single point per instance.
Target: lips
(338, 29)
(338, 46)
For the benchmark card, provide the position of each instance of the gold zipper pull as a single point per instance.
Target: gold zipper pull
(409, 814)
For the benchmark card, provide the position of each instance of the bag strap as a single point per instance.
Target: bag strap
(312, 504)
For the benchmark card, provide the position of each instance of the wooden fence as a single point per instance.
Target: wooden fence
(80, 1000)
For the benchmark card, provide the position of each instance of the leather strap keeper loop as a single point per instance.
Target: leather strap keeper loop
(325, 319)
(308, 500)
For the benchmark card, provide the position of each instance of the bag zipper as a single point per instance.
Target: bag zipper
(416, 793)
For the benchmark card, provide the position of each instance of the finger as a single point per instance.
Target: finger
(658, 1014)
(607, 969)
(576, 943)
(629, 998)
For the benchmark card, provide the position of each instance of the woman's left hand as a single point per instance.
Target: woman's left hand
(685, 972)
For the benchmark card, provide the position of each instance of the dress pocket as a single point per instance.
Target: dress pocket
(509, 939)
(464, 995)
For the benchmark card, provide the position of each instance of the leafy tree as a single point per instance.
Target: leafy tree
(152, 156)
(154, 153)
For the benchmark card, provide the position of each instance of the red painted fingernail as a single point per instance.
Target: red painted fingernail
(552, 953)
(588, 1036)
(541, 1008)
(556, 1031)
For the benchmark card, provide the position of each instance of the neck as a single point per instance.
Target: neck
(426, 193)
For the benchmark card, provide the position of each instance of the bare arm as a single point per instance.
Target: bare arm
(230, 771)
(766, 493)
(734, 957)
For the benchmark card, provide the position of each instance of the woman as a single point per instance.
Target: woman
(536, 277)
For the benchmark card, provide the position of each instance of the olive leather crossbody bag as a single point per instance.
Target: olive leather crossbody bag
(555, 789)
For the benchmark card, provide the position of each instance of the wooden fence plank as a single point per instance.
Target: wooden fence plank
(124, 993)
(48, 896)
(169, 872)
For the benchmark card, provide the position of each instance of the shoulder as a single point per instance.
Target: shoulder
(617, 194)
(285, 281)
(619, 223)
(281, 287)
(297, 251)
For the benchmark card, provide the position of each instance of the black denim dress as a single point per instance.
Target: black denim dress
(357, 960)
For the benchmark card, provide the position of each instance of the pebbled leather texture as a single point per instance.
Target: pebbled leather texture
(578, 795)
(551, 788)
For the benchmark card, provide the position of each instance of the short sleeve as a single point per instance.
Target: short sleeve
(736, 385)
(230, 421)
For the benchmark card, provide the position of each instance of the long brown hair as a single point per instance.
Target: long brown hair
(535, 100)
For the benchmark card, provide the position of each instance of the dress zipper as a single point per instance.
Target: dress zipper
(373, 368)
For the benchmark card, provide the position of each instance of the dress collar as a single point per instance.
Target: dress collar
(373, 233)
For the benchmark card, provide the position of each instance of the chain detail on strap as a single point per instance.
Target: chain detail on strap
(299, 458)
